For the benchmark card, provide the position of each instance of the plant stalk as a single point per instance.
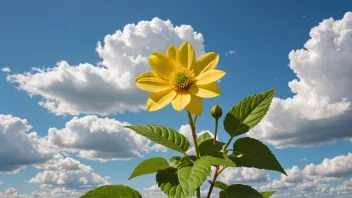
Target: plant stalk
(194, 135)
(217, 167)
(213, 181)
(216, 129)
(198, 192)
(228, 143)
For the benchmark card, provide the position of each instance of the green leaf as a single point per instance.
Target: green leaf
(186, 161)
(220, 185)
(112, 191)
(203, 137)
(208, 147)
(191, 177)
(240, 191)
(267, 194)
(236, 160)
(167, 181)
(250, 152)
(248, 113)
(213, 153)
(163, 135)
(148, 166)
(222, 160)
(174, 160)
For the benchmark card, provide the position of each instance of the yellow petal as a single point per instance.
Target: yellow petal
(159, 100)
(151, 82)
(205, 91)
(209, 77)
(181, 101)
(196, 105)
(161, 64)
(186, 55)
(206, 63)
(172, 52)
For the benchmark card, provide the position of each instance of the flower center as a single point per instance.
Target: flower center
(181, 80)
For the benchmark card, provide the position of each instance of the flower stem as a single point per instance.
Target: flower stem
(228, 143)
(213, 181)
(216, 129)
(217, 167)
(217, 172)
(194, 135)
(198, 192)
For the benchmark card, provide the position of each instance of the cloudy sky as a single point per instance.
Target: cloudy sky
(67, 73)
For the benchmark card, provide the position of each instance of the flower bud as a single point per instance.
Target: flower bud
(216, 112)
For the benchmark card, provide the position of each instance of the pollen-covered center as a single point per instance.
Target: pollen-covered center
(181, 79)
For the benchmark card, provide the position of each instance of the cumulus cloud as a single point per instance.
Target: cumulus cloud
(57, 193)
(344, 189)
(294, 175)
(67, 173)
(151, 188)
(304, 188)
(313, 180)
(18, 148)
(243, 175)
(339, 166)
(13, 193)
(153, 192)
(53, 193)
(100, 139)
(6, 69)
(320, 111)
(108, 87)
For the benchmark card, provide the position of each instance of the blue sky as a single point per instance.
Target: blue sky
(313, 125)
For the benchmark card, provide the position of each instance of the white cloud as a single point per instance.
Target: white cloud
(186, 131)
(320, 111)
(344, 189)
(67, 173)
(6, 69)
(57, 193)
(243, 175)
(158, 148)
(53, 193)
(153, 192)
(294, 175)
(18, 147)
(339, 166)
(12, 193)
(108, 87)
(1, 182)
(101, 139)
(231, 52)
(152, 188)
(307, 182)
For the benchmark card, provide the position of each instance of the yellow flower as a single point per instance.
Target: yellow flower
(180, 79)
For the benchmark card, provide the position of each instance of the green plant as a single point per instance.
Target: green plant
(183, 175)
